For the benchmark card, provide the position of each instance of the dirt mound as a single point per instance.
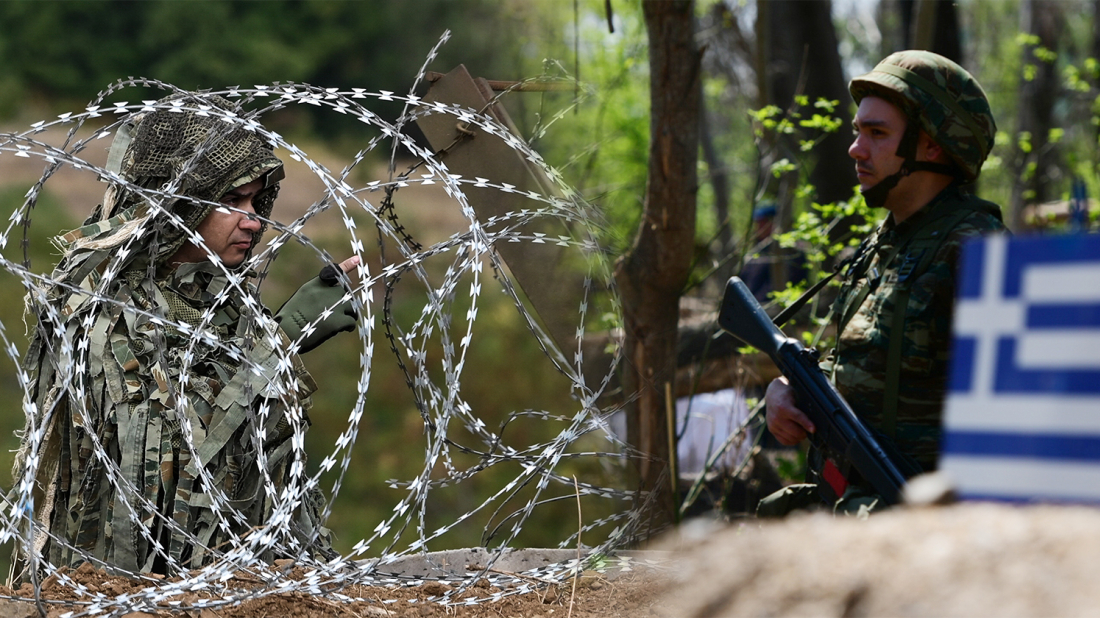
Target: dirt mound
(963, 560)
(594, 596)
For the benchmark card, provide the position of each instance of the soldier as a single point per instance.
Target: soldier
(163, 397)
(922, 130)
(759, 273)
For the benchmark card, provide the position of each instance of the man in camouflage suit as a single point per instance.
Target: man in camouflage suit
(922, 130)
(163, 395)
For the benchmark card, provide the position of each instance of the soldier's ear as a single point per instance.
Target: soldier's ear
(932, 151)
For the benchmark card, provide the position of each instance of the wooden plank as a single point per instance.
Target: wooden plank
(550, 276)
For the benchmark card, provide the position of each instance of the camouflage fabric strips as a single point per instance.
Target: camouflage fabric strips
(161, 416)
(110, 255)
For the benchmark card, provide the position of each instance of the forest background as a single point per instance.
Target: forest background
(764, 66)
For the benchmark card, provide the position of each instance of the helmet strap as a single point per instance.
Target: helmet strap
(907, 150)
(876, 195)
(937, 168)
(907, 147)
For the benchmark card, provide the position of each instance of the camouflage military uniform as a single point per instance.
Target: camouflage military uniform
(859, 364)
(912, 263)
(895, 305)
(161, 448)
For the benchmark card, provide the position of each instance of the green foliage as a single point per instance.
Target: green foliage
(783, 166)
(815, 233)
(392, 437)
(63, 53)
(815, 226)
(373, 46)
(601, 142)
(1000, 57)
(66, 52)
(791, 466)
(1023, 141)
(825, 122)
(807, 125)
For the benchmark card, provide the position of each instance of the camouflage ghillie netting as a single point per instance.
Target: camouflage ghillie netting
(115, 483)
(175, 408)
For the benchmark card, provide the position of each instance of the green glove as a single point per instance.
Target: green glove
(309, 302)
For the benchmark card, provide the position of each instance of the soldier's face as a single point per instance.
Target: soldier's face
(227, 233)
(879, 126)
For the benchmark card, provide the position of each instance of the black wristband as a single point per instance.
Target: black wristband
(330, 275)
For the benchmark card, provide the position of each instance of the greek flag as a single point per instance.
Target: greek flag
(1022, 420)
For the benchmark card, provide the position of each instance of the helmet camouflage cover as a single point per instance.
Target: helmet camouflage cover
(947, 101)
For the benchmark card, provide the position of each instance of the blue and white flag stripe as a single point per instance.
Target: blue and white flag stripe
(1022, 419)
(1015, 479)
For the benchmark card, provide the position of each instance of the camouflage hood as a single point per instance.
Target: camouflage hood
(177, 161)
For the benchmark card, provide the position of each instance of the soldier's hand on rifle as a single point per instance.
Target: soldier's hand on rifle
(315, 312)
(786, 422)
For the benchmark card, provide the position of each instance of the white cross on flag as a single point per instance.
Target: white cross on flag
(1022, 421)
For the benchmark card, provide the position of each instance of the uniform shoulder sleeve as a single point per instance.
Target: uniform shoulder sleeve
(984, 220)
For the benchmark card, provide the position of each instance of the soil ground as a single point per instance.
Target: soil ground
(433, 216)
(962, 560)
(626, 596)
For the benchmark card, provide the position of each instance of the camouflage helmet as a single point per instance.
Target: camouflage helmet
(948, 102)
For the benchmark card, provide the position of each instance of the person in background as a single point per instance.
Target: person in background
(771, 263)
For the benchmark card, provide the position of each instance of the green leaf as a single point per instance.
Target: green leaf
(1024, 38)
(781, 167)
(1023, 141)
(1045, 55)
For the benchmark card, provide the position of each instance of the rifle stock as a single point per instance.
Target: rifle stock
(851, 451)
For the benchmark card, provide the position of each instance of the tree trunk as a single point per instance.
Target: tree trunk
(803, 58)
(1096, 31)
(1035, 104)
(932, 25)
(1096, 79)
(653, 273)
(719, 182)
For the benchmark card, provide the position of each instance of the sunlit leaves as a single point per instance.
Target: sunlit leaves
(1023, 141)
(781, 167)
(828, 124)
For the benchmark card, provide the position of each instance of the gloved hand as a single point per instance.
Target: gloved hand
(311, 300)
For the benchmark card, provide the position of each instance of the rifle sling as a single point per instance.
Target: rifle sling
(801, 301)
(892, 391)
(793, 308)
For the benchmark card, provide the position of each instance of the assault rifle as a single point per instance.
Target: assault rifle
(850, 450)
